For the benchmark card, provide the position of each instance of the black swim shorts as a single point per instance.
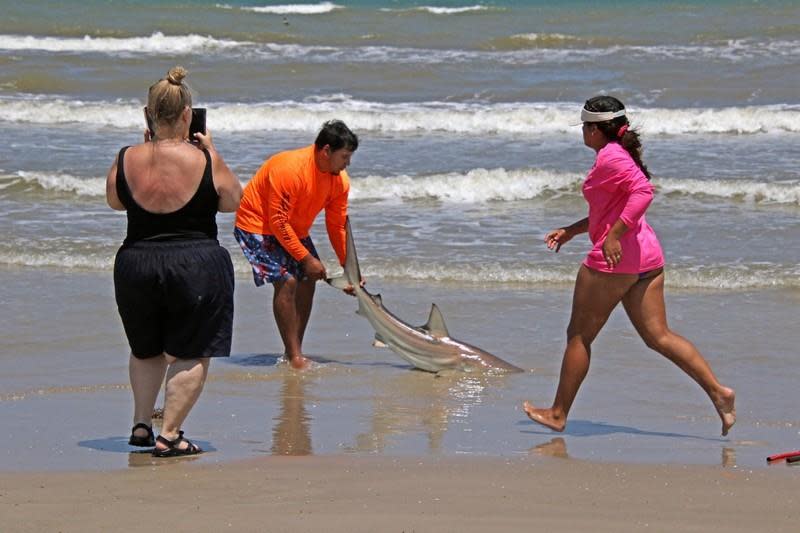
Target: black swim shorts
(175, 297)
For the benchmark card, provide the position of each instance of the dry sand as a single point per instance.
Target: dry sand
(402, 494)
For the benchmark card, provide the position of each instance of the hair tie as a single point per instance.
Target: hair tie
(622, 131)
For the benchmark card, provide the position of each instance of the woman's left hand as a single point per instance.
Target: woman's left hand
(612, 251)
(203, 140)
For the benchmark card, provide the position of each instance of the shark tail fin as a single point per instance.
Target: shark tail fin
(352, 273)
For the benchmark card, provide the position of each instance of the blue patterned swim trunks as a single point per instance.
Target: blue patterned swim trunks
(270, 261)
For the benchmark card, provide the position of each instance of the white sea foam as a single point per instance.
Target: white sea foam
(97, 259)
(160, 44)
(157, 43)
(451, 10)
(784, 192)
(289, 9)
(476, 186)
(533, 119)
(714, 277)
(534, 37)
(59, 182)
(486, 185)
(57, 259)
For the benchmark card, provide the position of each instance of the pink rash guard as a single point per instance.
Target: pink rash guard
(616, 188)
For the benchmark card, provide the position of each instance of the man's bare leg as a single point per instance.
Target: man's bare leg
(595, 296)
(645, 306)
(304, 299)
(284, 308)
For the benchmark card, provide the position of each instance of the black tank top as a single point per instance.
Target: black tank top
(195, 220)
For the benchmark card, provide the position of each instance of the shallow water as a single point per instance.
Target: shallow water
(65, 392)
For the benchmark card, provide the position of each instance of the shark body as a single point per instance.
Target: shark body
(429, 347)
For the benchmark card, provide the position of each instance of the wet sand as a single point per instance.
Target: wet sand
(351, 494)
(363, 443)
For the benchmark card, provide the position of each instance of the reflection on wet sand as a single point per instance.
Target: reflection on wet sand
(728, 457)
(292, 435)
(556, 447)
(141, 458)
(418, 403)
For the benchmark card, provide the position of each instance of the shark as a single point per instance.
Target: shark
(429, 347)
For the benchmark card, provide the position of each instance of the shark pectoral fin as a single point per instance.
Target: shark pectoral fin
(436, 325)
(379, 342)
(338, 282)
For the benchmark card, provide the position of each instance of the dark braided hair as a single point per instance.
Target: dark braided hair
(610, 128)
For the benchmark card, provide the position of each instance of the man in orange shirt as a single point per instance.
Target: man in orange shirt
(274, 218)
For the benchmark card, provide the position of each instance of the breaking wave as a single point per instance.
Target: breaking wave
(711, 277)
(157, 43)
(475, 186)
(289, 9)
(535, 119)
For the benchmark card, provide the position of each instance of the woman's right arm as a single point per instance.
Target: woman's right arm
(229, 188)
(558, 237)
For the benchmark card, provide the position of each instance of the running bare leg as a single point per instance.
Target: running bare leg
(596, 294)
(645, 306)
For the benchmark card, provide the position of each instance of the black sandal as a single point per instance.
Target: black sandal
(142, 442)
(172, 449)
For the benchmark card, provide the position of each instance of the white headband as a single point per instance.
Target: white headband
(591, 116)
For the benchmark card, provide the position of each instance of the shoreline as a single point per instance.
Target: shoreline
(66, 396)
(385, 493)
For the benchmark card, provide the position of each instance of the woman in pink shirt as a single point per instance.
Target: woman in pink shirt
(624, 265)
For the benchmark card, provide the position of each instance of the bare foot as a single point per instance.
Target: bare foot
(724, 404)
(544, 417)
(299, 362)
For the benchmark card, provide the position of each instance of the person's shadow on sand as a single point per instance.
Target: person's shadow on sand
(120, 445)
(586, 428)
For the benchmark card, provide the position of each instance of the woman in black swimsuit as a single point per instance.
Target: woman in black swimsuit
(173, 281)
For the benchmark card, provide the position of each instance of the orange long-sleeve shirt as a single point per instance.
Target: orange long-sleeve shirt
(286, 195)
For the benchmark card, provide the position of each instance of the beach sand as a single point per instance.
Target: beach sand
(408, 494)
(363, 443)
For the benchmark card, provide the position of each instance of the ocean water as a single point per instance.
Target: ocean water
(469, 154)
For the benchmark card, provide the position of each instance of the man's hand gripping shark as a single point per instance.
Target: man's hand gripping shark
(427, 347)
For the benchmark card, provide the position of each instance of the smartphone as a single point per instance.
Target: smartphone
(198, 122)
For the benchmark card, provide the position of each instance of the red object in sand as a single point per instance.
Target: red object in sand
(779, 456)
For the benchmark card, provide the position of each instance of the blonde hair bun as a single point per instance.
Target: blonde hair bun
(176, 74)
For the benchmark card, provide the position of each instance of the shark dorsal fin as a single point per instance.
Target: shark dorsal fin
(436, 325)
(377, 299)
